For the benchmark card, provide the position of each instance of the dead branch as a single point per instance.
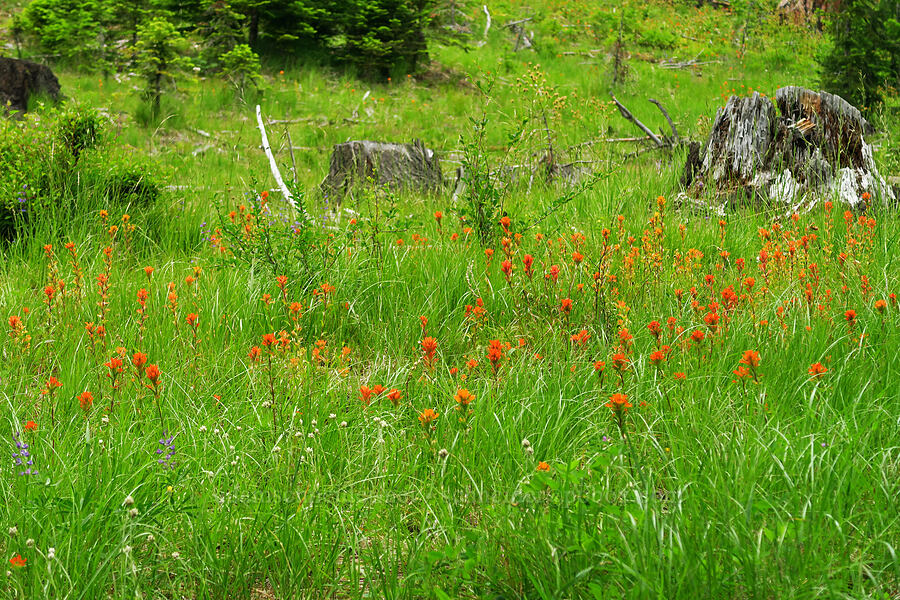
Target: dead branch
(289, 198)
(668, 118)
(626, 114)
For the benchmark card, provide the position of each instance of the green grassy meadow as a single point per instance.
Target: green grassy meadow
(615, 398)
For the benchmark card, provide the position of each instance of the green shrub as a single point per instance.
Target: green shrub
(57, 168)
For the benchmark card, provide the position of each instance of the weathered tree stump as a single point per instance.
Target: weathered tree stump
(813, 150)
(20, 79)
(398, 166)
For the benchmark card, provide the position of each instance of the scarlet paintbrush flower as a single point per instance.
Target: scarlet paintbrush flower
(655, 329)
(618, 403)
(192, 320)
(282, 281)
(741, 373)
(495, 353)
(565, 306)
(427, 416)
(505, 222)
(148, 271)
(711, 320)
(543, 467)
(115, 366)
(365, 394)
(554, 273)
(17, 561)
(750, 358)
(472, 363)
(438, 215)
(698, 336)
(142, 296)
(378, 389)
(429, 347)
(30, 426)
(463, 398)
(152, 374)
(581, 337)
(268, 340)
(577, 257)
(657, 358)
(506, 268)
(424, 321)
(394, 396)
(619, 361)
(254, 353)
(817, 370)
(880, 306)
(850, 317)
(139, 359)
(86, 400)
(528, 261)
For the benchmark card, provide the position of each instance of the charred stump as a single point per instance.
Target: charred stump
(397, 166)
(803, 147)
(20, 79)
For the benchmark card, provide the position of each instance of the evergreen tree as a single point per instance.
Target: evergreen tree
(866, 54)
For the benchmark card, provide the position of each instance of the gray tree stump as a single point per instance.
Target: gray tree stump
(398, 166)
(814, 149)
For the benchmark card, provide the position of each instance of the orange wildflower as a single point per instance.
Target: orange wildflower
(427, 417)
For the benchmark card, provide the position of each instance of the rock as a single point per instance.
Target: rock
(19, 79)
(398, 166)
(810, 146)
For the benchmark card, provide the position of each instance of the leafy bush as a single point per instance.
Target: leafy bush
(240, 66)
(56, 168)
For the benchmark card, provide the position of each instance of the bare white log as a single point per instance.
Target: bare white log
(274, 166)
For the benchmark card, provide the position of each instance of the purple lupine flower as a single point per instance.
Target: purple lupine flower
(168, 447)
(23, 457)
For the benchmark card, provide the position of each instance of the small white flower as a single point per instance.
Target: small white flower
(529, 450)
(310, 435)
(13, 531)
(105, 420)
(176, 555)
(308, 450)
(314, 423)
(151, 538)
(126, 550)
(133, 513)
(239, 428)
(343, 423)
(129, 501)
(276, 450)
(443, 453)
(231, 448)
(216, 431)
(332, 416)
(234, 463)
(298, 434)
(203, 429)
(51, 553)
(100, 441)
(526, 443)
(266, 404)
(29, 543)
(316, 431)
